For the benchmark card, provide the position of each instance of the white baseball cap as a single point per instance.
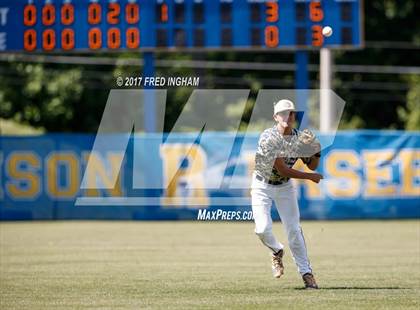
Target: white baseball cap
(283, 105)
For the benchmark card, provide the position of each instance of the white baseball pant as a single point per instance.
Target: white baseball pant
(284, 197)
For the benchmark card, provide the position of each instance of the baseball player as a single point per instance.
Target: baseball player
(279, 148)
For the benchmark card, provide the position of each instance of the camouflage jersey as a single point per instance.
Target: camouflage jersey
(272, 145)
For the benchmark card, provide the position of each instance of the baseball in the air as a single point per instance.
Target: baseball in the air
(327, 31)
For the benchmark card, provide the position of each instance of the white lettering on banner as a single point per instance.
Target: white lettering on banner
(3, 41)
(1, 177)
(3, 16)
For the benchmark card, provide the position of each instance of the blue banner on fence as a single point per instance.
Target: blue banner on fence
(368, 174)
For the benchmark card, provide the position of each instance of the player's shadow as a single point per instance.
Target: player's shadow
(357, 288)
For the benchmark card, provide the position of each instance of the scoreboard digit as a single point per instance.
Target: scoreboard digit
(112, 25)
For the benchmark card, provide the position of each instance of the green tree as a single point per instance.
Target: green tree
(410, 115)
(52, 97)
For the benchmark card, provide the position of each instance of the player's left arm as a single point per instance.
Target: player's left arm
(308, 143)
(313, 162)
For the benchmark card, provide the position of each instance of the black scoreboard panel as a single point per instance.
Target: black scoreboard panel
(66, 25)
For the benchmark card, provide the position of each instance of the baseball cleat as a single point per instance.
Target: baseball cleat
(309, 280)
(277, 264)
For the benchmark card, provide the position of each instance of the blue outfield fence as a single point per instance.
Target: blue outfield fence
(368, 174)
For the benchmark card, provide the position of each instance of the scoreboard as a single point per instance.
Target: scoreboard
(113, 25)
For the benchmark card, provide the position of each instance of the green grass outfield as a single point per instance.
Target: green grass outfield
(210, 265)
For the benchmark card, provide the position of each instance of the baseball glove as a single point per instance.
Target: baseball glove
(308, 144)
